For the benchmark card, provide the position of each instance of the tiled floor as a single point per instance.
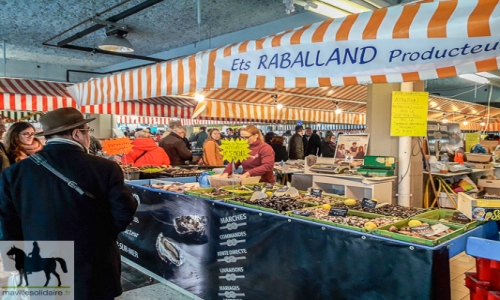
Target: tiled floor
(137, 285)
(458, 266)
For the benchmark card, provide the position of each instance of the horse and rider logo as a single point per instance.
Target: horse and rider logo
(33, 262)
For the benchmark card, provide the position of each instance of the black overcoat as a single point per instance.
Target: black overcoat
(37, 205)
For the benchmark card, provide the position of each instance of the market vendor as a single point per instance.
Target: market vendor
(261, 160)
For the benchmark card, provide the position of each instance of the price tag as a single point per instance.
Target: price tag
(256, 188)
(282, 189)
(368, 203)
(316, 192)
(268, 185)
(422, 230)
(338, 212)
(460, 217)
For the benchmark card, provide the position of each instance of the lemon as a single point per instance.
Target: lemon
(414, 223)
(269, 194)
(326, 206)
(350, 202)
(370, 226)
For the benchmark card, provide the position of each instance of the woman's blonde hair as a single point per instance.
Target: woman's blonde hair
(253, 130)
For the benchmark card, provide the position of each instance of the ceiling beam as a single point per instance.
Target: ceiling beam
(97, 50)
(115, 18)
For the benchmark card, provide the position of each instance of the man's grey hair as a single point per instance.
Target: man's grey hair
(179, 129)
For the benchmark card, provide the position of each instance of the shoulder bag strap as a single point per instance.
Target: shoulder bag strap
(39, 160)
(140, 156)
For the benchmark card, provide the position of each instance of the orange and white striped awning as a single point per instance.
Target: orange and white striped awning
(233, 111)
(33, 95)
(134, 108)
(166, 121)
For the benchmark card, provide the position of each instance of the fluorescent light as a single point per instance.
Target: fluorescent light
(323, 9)
(475, 78)
(347, 6)
(199, 97)
(487, 75)
(279, 106)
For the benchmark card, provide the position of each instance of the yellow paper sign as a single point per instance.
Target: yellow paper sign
(409, 113)
(118, 146)
(471, 140)
(237, 150)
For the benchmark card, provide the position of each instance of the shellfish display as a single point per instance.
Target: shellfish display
(168, 250)
(355, 221)
(192, 225)
(281, 203)
(386, 210)
(317, 200)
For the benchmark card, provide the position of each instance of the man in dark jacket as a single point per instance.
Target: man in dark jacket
(200, 137)
(175, 146)
(35, 204)
(296, 145)
(313, 143)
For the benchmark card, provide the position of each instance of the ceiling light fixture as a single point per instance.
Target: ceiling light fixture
(465, 121)
(275, 98)
(199, 97)
(338, 110)
(444, 121)
(322, 9)
(482, 122)
(116, 41)
(475, 78)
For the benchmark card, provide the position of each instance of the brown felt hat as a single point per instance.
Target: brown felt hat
(62, 119)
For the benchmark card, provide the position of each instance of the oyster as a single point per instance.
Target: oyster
(168, 250)
(190, 225)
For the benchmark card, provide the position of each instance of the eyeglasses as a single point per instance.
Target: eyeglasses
(90, 130)
(27, 134)
(246, 137)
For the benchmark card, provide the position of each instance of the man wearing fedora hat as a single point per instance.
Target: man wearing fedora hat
(35, 204)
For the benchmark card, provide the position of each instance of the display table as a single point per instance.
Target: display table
(244, 253)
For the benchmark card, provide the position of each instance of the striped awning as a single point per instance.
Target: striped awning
(134, 108)
(15, 116)
(233, 111)
(166, 121)
(33, 95)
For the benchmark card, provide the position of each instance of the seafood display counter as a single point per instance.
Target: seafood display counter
(233, 248)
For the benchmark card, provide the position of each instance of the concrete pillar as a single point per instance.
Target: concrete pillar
(378, 125)
(103, 125)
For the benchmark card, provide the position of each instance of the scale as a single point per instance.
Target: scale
(341, 168)
(378, 166)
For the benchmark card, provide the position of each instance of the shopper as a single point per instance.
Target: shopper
(328, 146)
(261, 160)
(175, 146)
(4, 159)
(95, 146)
(36, 205)
(269, 137)
(279, 150)
(313, 142)
(146, 152)
(211, 149)
(200, 137)
(20, 142)
(229, 133)
(296, 146)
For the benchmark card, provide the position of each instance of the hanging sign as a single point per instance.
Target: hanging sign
(235, 150)
(117, 146)
(471, 139)
(409, 113)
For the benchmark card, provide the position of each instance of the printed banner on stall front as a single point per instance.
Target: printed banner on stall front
(222, 252)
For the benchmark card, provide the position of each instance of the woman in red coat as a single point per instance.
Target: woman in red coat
(261, 160)
(146, 152)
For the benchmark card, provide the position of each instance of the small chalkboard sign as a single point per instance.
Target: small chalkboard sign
(460, 217)
(338, 212)
(316, 192)
(368, 203)
(257, 188)
(268, 185)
